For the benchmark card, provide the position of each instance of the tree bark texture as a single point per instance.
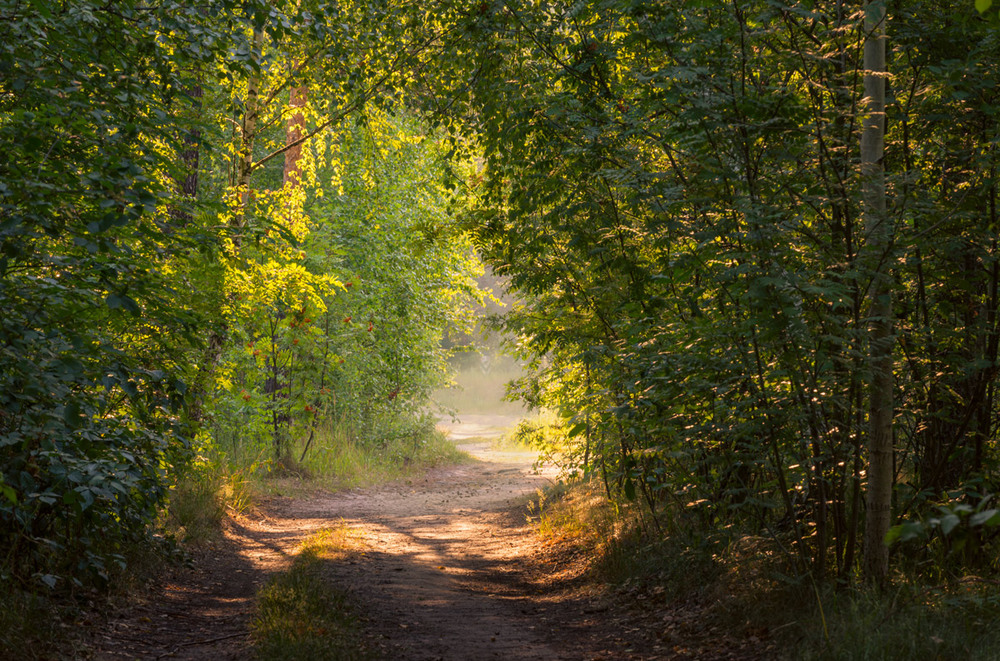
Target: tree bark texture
(878, 231)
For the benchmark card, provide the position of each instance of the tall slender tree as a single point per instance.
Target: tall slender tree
(879, 234)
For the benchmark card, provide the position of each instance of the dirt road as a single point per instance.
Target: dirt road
(441, 578)
(450, 571)
(447, 573)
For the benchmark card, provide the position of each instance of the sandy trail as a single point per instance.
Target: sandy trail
(442, 576)
(440, 579)
(449, 571)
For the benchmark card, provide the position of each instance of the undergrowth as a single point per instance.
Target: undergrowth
(301, 615)
(743, 585)
(48, 624)
(37, 622)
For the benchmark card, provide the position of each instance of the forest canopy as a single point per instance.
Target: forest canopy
(757, 264)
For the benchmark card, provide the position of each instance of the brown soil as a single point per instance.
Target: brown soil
(451, 570)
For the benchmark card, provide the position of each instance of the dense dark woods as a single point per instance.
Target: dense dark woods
(760, 303)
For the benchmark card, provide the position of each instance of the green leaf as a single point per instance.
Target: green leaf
(982, 6)
(905, 532)
(989, 518)
(629, 488)
(8, 492)
(71, 414)
(948, 523)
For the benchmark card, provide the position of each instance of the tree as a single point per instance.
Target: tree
(878, 230)
(95, 351)
(678, 196)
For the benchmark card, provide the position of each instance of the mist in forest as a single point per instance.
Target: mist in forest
(480, 386)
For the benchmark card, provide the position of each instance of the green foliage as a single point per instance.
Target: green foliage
(411, 273)
(673, 193)
(362, 347)
(547, 435)
(89, 390)
(224, 226)
(161, 286)
(958, 535)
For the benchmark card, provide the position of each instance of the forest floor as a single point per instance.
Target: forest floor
(448, 567)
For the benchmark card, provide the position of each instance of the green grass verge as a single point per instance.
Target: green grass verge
(337, 461)
(301, 616)
(334, 460)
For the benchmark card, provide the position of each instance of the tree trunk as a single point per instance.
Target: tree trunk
(880, 327)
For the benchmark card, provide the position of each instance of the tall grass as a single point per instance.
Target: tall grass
(337, 460)
(336, 457)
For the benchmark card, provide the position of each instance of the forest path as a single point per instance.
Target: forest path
(449, 570)
(442, 574)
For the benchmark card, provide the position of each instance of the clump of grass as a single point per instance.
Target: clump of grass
(571, 511)
(300, 615)
(202, 495)
(195, 509)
